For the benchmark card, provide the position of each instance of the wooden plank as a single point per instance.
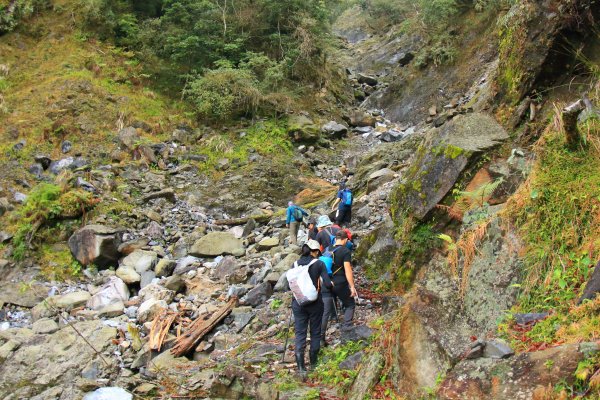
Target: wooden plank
(200, 327)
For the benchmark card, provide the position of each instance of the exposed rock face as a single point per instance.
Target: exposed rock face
(441, 159)
(216, 244)
(96, 244)
(49, 365)
(514, 378)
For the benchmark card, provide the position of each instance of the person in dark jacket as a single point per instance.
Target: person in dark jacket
(343, 283)
(310, 315)
(344, 211)
(312, 229)
(326, 230)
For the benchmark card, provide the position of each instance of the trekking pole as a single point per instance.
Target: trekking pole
(335, 309)
(287, 335)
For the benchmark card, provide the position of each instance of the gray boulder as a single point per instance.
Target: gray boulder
(258, 295)
(380, 177)
(334, 130)
(128, 138)
(366, 79)
(96, 244)
(216, 244)
(113, 291)
(141, 260)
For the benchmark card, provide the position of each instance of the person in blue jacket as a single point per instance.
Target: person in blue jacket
(293, 219)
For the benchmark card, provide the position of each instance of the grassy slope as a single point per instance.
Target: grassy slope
(56, 75)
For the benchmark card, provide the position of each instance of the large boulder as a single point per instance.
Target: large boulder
(302, 129)
(113, 291)
(441, 159)
(380, 177)
(96, 244)
(258, 295)
(216, 244)
(334, 129)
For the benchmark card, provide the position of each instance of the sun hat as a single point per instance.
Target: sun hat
(323, 221)
(313, 244)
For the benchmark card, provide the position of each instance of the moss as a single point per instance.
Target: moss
(453, 152)
(513, 64)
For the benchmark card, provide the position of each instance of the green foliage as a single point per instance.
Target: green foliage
(12, 13)
(312, 394)
(224, 93)
(231, 58)
(275, 304)
(267, 138)
(556, 213)
(328, 371)
(46, 204)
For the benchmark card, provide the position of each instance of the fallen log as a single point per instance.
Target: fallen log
(243, 220)
(160, 328)
(200, 327)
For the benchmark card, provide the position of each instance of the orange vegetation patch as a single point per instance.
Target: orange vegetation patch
(316, 190)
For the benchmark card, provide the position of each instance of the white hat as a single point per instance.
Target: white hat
(313, 245)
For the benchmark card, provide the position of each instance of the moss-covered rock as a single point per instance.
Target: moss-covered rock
(440, 160)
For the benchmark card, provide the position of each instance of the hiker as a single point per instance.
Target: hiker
(294, 218)
(312, 229)
(326, 235)
(343, 283)
(310, 315)
(343, 203)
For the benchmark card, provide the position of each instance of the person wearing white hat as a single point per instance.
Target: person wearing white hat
(310, 315)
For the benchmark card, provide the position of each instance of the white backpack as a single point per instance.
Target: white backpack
(301, 285)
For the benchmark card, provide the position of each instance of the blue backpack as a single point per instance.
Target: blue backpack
(327, 259)
(331, 236)
(347, 197)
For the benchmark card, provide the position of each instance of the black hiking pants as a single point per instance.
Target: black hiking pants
(304, 317)
(342, 291)
(343, 216)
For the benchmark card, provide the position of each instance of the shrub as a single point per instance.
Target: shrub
(14, 12)
(46, 205)
(224, 93)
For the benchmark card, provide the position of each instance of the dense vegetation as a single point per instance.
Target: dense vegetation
(228, 58)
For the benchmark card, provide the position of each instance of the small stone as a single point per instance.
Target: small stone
(128, 274)
(497, 349)
(165, 267)
(66, 146)
(45, 326)
(141, 260)
(112, 310)
(175, 283)
(356, 333)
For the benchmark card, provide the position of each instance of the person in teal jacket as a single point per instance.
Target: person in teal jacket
(293, 219)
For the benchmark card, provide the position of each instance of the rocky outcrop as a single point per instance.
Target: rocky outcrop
(96, 244)
(440, 161)
(44, 366)
(519, 377)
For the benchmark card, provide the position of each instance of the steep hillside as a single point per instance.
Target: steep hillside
(149, 150)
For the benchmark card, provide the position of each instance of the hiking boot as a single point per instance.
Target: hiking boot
(314, 358)
(301, 366)
(324, 343)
